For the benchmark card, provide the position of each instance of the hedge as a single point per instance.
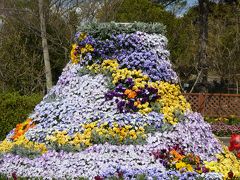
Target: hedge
(14, 108)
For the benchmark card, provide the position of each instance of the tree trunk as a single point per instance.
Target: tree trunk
(45, 47)
(203, 38)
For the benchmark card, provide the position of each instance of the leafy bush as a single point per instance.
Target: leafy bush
(233, 120)
(14, 109)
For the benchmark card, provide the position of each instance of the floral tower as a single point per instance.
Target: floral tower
(116, 112)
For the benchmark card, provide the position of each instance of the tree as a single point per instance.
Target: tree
(21, 56)
(203, 39)
(203, 36)
(45, 47)
(224, 40)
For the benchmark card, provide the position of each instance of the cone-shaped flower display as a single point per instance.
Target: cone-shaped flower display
(116, 112)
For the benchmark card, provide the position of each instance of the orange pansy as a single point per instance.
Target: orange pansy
(22, 128)
(130, 93)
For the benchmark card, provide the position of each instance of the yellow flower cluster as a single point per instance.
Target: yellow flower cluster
(87, 48)
(170, 100)
(140, 80)
(62, 138)
(111, 65)
(75, 57)
(73, 54)
(107, 65)
(127, 131)
(144, 108)
(96, 68)
(227, 162)
(180, 165)
(7, 145)
(84, 139)
(82, 36)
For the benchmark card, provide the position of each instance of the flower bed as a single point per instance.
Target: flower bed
(224, 127)
(116, 112)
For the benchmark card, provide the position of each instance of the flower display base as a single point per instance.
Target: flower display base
(116, 112)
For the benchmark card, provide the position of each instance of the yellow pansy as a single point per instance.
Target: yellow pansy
(74, 56)
(7, 145)
(227, 162)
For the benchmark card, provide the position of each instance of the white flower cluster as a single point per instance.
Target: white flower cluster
(77, 100)
(86, 164)
(74, 100)
(156, 43)
(98, 160)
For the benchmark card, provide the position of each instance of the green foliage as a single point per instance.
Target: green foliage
(105, 30)
(233, 120)
(179, 115)
(5, 177)
(115, 178)
(228, 121)
(145, 11)
(156, 106)
(25, 152)
(84, 71)
(110, 85)
(66, 147)
(50, 98)
(141, 10)
(141, 177)
(14, 109)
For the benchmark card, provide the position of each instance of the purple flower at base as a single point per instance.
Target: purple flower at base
(121, 105)
(116, 100)
(120, 95)
(152, 90)
(14, 176)
(98, 178)
(204, 169)
(120, 88)
(144, 100)
(129, 82)
(109, 95)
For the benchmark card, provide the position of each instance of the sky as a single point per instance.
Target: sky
(190, 3)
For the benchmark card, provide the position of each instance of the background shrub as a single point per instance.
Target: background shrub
(14, 108)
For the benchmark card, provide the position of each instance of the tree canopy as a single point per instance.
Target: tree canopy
(22, 67)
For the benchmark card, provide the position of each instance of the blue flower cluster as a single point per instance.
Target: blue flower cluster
(150, 64)
(133, 51)
(134, 119)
